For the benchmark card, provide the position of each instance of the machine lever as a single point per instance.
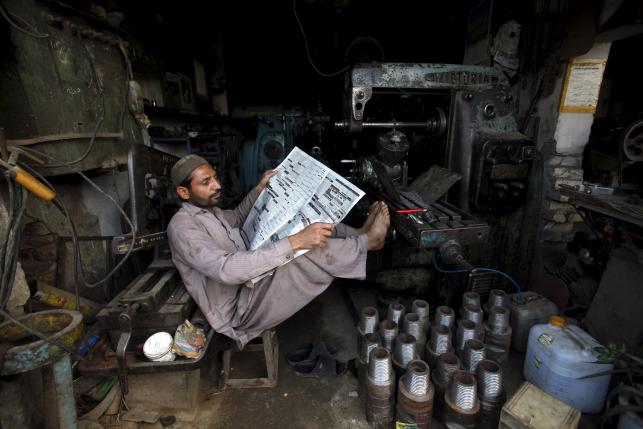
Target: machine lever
(125, 324)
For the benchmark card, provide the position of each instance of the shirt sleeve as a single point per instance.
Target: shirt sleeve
(197, 249)
(237, 216)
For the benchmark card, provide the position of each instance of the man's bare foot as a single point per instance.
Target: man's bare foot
(372, 212)
(377, 231)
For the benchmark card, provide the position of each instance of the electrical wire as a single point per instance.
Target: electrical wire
(8, 17)
(477, 270)
(310, 60)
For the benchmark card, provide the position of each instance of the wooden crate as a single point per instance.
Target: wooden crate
(533, 408)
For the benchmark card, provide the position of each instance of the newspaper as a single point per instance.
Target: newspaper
(303, 192)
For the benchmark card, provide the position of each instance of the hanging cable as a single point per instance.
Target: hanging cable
(9, 18)
(478, 270)
(310, 60)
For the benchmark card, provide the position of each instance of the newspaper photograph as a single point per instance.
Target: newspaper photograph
(303, 192)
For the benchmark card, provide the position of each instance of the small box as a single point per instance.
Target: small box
(532, 408)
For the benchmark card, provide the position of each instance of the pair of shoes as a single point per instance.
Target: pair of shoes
(316, 360)
(309, 353)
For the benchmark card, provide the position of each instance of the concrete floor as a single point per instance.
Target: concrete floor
(304, 402)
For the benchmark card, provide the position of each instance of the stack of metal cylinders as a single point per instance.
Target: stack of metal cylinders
(498, 334)
(491, 393)
(444, 316)
(369, 321)
(421, 308)
(413, 326)
(447, 365)
(388, 332)
(404, 351)
(497, 298)
(415, 395)
(467, 330)
(475, 314)
(369, 342)
(461, 400)
(439, 343)
(396, 313)
(470, 298)
(474, 352)
(380, 389)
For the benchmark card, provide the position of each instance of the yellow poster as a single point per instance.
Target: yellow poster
(582, 85)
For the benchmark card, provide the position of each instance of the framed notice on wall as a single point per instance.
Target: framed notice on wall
(582, 85)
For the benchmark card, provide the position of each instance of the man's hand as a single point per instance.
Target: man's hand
(265, 178)
(313, 236)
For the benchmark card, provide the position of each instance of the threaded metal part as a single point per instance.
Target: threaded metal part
(380, 368)
(448, 364)
(444, 316)
(463, 390)
(413, 326)
(369, 342)
(405, 349)
(471, 298)
(388, 332)
(473, 313)
(474, 352)
(490, 379)
(421, 308)
(498, 319)
(467, 330)
(396, 313)
(369, 319)
(497, 297)
(416, 378)
(440, 339)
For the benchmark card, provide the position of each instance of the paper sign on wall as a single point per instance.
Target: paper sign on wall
(582, 85)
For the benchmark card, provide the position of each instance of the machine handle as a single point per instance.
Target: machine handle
(32, 184)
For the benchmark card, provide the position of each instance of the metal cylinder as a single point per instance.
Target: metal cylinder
(498, 297)
(369, 320)
(415, 395)
(490, 379)
(463, 390)
(421, 308)
(380, 389)
(396, 313)
(369, 342)
(448, 364)
(497, 344)
(474, 352)
(473, 313)
(467, 330)
(498, 320)
(380, 368)
(388, 332)
(471, 298)
(444, 316)
(413, 325)
(461, 404)
(490, 409)
(404, 350)
(439, 343)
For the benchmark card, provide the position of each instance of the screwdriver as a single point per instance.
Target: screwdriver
(410, 211)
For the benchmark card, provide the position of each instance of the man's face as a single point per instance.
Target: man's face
(204, 190)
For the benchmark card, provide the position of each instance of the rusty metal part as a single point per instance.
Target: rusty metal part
(380, 389)
(474, 352)
(388, 332)
(498, 334)
(421, 308)
(497, 297)
(473, 313)
(362, 370)
(467, 330)
(413, 325)
(490, 410)
(461, 404)
(439, 343)
(444, 316)
(396, 313)
(366, 343)
(448, 364)
(64, 328)
(415, 395)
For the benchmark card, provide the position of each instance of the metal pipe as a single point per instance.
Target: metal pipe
(392, 124)
(498, 319)
(388, 332)
(448, 364)
(471, 298)
(369, 342)
(421, 308)
(415, 396)
(473, 313)
(467, 330)
(396, 313)
(413, 326)
(490, 379)
(444, 316)
(380, 368)
(498, 298)
(405, 349)
(440, 341)
(416, 380)
(369, 320)
(463, 390)
(474, 352)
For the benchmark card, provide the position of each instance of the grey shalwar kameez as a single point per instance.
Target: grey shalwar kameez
(216, 267)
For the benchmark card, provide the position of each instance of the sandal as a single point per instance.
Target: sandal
(309, 353)
(325, 366)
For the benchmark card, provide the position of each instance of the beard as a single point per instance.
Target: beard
(208, 202)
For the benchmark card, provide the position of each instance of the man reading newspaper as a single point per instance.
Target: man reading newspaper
(218, 268)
